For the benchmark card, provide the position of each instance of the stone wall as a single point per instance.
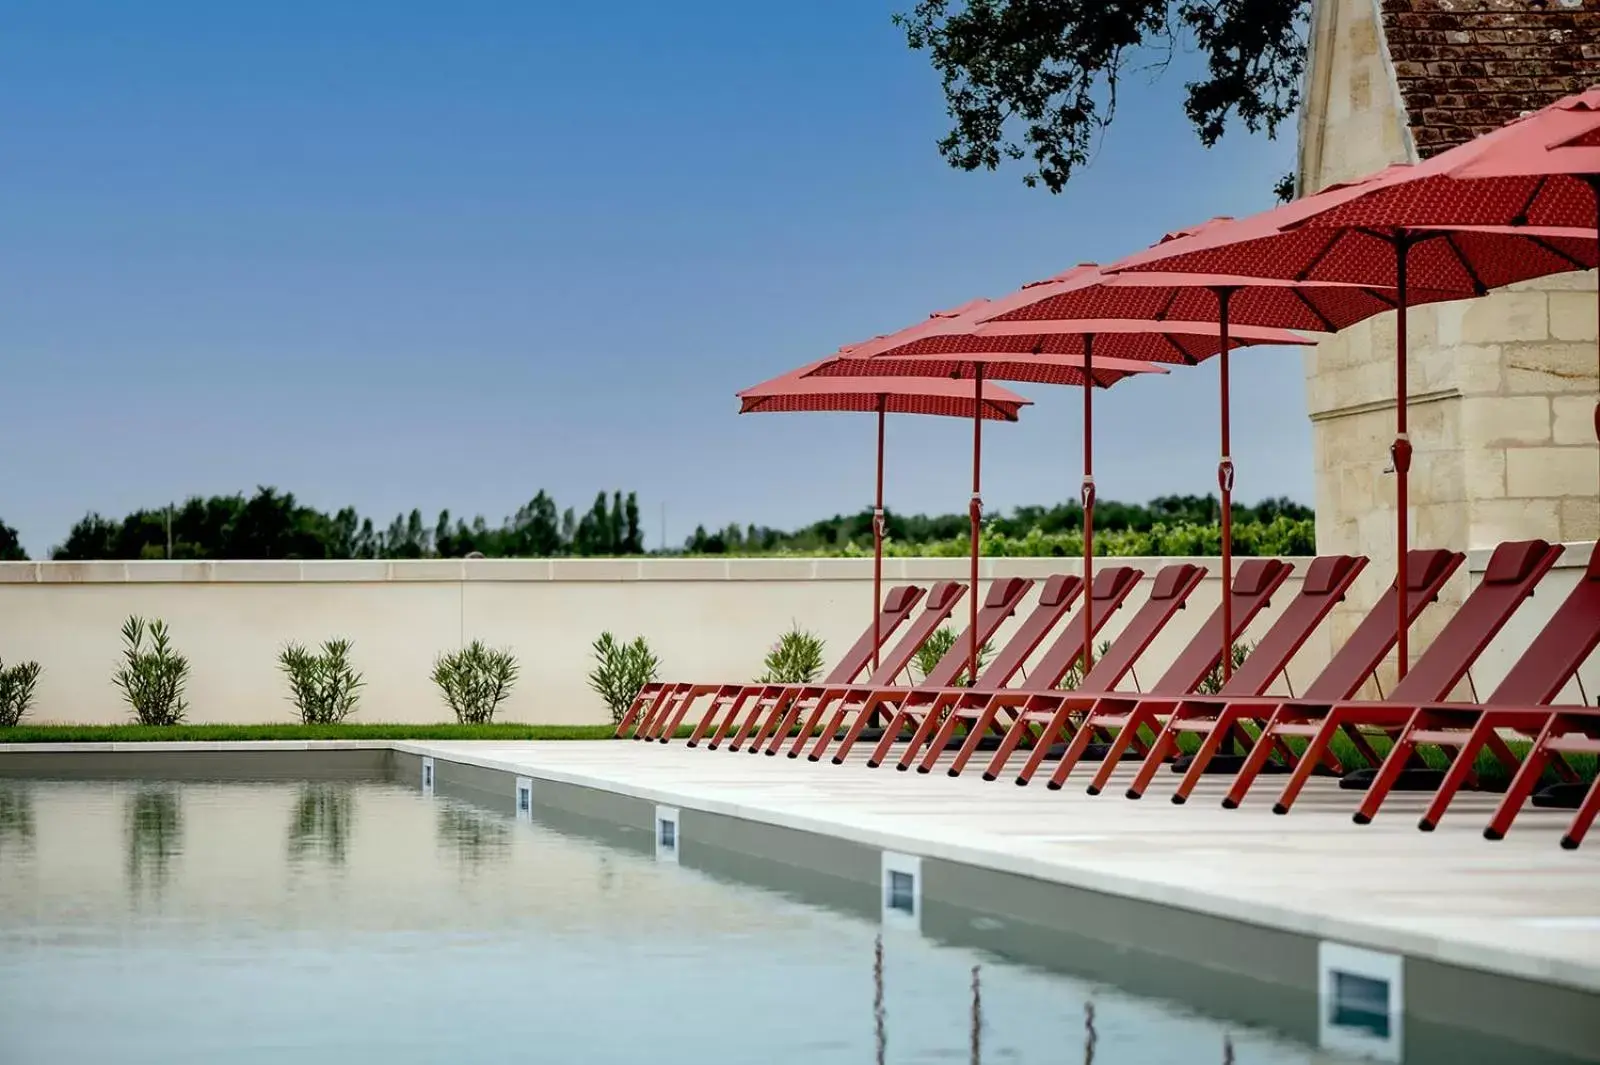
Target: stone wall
(1502, 389)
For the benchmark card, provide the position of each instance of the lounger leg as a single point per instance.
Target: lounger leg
(948, 723)
(854, 733)
(828, 730)
(635, 708)
(750, 720)
(1166, 739)
(1074, 753)
(646, 705)
(672, 721)
(1221, 731)
(1127, 735)
(791, 712)
(1522, 786)
(1058, 723)
(931, 719)
(769, 724)
(1454, 777)
(1582, 819)
(1390, 771)
(897, 721)
(1308, 762)
(726, 726)
(655, 718)
(1008, 743)
(709, 718)
(977, 728)
(808, 726)
(1254, 762)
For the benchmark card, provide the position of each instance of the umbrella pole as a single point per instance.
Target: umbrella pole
(1086, 494)
(1225, 483)
(975, 511)
(1400, 453)
(877, 545)
(1593, 181)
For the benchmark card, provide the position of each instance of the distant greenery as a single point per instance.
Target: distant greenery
(365, 731)
(797, 658)
(272, 524)
(936, 646)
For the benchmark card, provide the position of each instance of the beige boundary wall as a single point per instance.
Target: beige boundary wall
(707, 619)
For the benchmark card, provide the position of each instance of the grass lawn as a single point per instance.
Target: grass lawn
(211, 733)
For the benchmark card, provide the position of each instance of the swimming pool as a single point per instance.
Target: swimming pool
(322, 921)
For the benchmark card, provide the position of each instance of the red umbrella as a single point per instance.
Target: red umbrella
(1078, 352)
(1541, 170)
(1090, 291)
(1467, 260)
(795, 391)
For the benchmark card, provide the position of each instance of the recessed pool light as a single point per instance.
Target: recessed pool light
(1360, 1001)
(667, 833)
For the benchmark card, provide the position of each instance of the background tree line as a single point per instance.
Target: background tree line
(273, 524)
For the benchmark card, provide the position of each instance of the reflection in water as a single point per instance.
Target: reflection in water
(877, 997)
(320, 825)
(155, 836)
(1227, 1050)
(473, 834)
(1089, 1036)
(977, 1019)
(16, 818)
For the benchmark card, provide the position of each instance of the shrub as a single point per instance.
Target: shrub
(1074, 676)
(936, 646)
(323, 687)
(795, 659)
(152, 680)
(474, 681)
(16, 691)
(1213, 680)
(621, 669)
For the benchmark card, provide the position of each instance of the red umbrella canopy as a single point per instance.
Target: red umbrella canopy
(1090, 291)
(1468, 260)
(1541, 170)
(795, 391)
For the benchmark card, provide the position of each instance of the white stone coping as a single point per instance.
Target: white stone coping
(1576, 556)
(557, 570)
(1262, 912)
(125, 746)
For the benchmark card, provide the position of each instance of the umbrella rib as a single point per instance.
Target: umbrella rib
(1188, 360)
(1316, 260)
(1541, 242)
(1521, 217)
(1327, 323)
(1477, 282)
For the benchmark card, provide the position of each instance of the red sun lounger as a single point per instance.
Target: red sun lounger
(660, 708)
(1219, 717)
(771, 700)
(1168, 594)
(1254, 583)
(1327, 580)
(1551, 660)
(1002, 601)
(979, 707)
(922, 707)
(1514, 570)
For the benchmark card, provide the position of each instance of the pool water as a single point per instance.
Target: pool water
(150, 922)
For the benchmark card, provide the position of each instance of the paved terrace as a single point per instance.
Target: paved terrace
(1522, 906)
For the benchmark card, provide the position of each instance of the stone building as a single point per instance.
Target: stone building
(1502, 389)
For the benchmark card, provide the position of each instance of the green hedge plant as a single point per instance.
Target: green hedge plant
(795, 659)
(323, 685)
(152, 677)
(937, 646)
(475, 680)
(16, 691)
(620, 671)
(1074, 676)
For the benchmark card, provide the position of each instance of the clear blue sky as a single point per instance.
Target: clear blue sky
(445, 255)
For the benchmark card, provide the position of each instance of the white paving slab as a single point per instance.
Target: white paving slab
(1521, 906)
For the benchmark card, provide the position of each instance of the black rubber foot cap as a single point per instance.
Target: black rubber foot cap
(1279, 809)
(1568, 843)
(990, 777)
(1132, 794)
(837, 760)
(1491, 835)
(1229, 804)
(947, 772)
(1022, 782)
(794, 754)
(693, 743)
(1360, 818)
(1052, 785)
(662, 740)
(1425, 825)
(873, 765)
(1092, 790)
(1179, 800)
(813, 758)
(711, 747)
(771, 754)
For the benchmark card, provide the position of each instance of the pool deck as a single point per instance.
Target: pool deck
(1520, 907)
